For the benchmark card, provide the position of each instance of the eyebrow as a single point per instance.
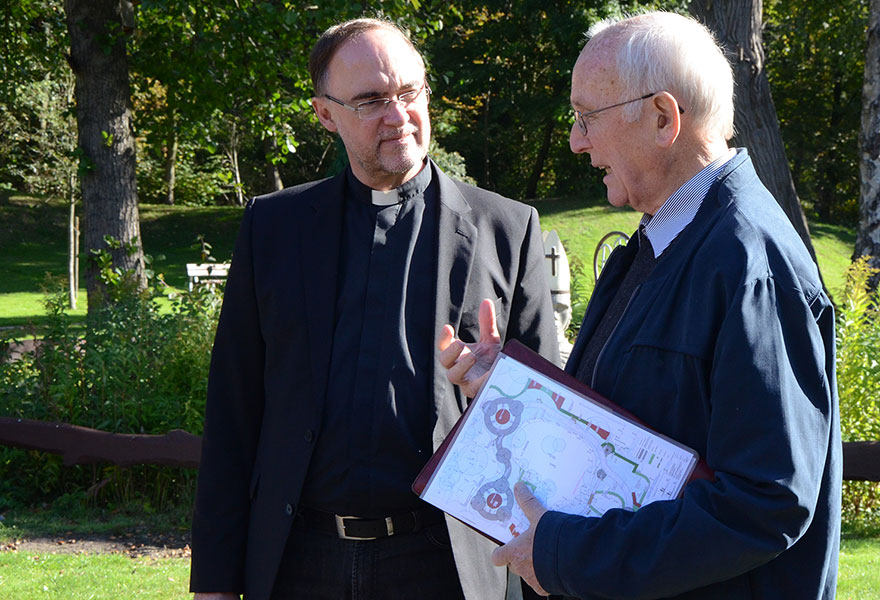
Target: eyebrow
(373, 94)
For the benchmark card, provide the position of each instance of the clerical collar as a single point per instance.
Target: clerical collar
(384, 197)
(410, 189)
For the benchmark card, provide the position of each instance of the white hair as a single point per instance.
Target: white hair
(662, 51)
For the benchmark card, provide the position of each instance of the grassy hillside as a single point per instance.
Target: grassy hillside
(33, 244)
(581, 225)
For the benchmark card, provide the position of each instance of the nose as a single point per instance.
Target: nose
(577, 141)
(395, 113)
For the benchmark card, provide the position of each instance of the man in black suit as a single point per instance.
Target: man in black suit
(324, 397)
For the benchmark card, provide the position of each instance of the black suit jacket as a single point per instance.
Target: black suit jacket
(272, 352)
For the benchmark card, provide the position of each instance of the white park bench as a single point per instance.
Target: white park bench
(206, 273)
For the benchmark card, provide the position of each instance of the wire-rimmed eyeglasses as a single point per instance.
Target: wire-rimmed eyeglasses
(581, 117)
(378, 107)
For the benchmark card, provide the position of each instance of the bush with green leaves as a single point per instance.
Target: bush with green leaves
(133, 370)
(858, 383)
(201, 177)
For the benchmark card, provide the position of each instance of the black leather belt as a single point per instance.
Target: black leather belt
(358, 528)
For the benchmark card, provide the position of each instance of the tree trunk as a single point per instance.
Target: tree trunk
(170, 162)
(532, 185)
(106, 144)
(737, 26)
(273, 176)
(232, 155)
(868, 238)
(72, 241)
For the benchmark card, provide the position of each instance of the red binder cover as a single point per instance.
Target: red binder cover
(516, 350)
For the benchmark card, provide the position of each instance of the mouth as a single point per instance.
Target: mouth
(397, 136)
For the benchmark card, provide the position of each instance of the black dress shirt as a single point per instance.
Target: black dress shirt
(376, 429)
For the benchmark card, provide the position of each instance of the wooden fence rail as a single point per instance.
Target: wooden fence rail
(81, 445)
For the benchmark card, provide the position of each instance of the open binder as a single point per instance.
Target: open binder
(533, 422)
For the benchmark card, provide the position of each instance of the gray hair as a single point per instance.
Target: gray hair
(331, 40)
(662, 51)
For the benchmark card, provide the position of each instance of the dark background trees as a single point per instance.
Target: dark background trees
(815, 55)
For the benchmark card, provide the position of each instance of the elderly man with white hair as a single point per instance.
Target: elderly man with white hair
(711, 325)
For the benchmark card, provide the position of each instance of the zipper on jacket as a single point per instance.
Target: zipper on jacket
(613, 331)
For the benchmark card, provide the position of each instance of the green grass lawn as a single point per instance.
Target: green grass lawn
(91, 577)
(859, 575)
(24, 575)
(111, 576)
(33, 244)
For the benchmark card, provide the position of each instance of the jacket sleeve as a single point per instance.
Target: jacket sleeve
(232, 422)
(771, 440)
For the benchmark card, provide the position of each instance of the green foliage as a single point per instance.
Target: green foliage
(36, 97)
(816, 51)
(858, 383)
(134, 370)
(501, 73)
(201, 178)
(39, 135)
(452, 163)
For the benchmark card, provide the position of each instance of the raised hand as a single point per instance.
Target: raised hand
(468, 364)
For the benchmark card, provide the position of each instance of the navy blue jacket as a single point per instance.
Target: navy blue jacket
(727, 347)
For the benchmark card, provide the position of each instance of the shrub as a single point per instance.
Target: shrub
(858, 383)
(201, 178)
(134, 370)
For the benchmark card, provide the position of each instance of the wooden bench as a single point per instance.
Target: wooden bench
(206, 273)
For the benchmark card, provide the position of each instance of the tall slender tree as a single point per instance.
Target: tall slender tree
(106, 145)
(868, 239)
(737, 26)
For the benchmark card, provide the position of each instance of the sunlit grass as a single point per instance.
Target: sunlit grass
(92, 577)
(859, 576)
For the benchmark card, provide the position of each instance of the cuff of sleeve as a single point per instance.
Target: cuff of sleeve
(544, 551)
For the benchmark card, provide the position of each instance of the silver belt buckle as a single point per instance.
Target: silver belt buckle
(340, 528)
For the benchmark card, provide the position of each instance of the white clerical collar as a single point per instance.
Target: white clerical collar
(384, 197)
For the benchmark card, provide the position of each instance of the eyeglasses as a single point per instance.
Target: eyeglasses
(581, 118)
(378, 107)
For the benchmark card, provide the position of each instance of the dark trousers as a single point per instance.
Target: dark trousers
(319, 566)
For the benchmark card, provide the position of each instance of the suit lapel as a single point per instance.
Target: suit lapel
(456, 243)
(319, 252)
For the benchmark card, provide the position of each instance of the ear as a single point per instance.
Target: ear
(667, 119)
(322, 111)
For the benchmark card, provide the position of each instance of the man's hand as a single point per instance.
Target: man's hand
(517, 554)
(468, 364)
(212, 596)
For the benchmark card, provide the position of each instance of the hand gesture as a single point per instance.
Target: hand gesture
(468, 364)
(517, 554)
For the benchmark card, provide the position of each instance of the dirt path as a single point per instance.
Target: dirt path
(136, 544)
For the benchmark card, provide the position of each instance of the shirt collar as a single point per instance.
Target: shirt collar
(682, 206)
(407, 190)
